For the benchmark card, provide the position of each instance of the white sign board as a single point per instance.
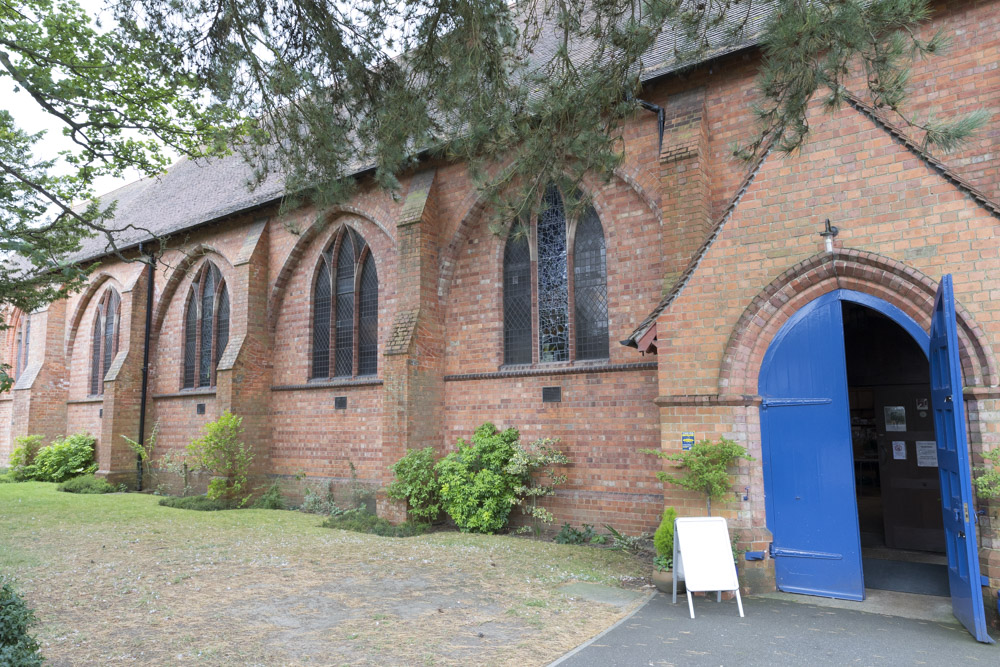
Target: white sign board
(927, 454)
(703, 558)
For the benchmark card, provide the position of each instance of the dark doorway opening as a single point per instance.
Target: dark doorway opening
(895, 456)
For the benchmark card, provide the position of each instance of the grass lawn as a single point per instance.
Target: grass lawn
(117, 578)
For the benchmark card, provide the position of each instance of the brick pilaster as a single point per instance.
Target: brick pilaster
(243, 383)
(413, 387)
(684, 181)
(123, 388)
(39, 396)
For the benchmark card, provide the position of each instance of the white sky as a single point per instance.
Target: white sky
(31, 118)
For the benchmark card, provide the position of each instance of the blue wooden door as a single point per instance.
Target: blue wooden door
(953, 466)
(807, 456)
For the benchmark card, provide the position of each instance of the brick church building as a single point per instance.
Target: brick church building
(692, 287)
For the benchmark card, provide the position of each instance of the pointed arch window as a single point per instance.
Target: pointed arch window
(345, 310)
(567, 303)
(22, 343)
(104, 345)
(206, 327)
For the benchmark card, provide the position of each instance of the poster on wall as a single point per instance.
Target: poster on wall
(895, 418)
(899, 449)
(926, 454)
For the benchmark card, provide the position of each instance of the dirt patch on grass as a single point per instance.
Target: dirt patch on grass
(119, 579)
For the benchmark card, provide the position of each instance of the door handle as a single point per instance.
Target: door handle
(961, 534)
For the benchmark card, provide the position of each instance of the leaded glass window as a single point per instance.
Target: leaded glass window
(553, 283)
(585, 311)
(105, 340)
(590, 288)
(345, 310)
(517, 301)
(206, 327)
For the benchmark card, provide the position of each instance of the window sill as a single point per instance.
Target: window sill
(184, 393)
(89, 399)
(553, 368)
(332, 383)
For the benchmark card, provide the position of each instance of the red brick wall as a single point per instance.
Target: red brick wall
(6, 443)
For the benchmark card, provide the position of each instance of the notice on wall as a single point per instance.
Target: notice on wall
(927, 454)
(895, 418)
(899, 449)
(687, 441)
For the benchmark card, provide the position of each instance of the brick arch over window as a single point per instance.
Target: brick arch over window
(176, 278)
(206, 326)
(105, 338)
(93, 290)
(19, 343)
(894, 282)
(345, 309)
(569, 289)
(295, 255)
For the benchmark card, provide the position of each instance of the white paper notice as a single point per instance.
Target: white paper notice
(899, 449)
(895, 418)
(926, 454)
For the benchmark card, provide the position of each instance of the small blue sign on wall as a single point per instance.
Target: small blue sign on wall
(687, 441)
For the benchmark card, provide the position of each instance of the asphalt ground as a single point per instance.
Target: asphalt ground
(776, 632)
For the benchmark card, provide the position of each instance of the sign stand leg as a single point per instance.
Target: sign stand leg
(739, 602)
(677, 571)
(690, 604)
(718, 596)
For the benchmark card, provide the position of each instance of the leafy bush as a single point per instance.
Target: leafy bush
(23, 456)
(417, 484)
(570, 535)
(221, 451)
(316, 502)
(539, 455)
(7, 478)
(485, 479)
(705, 467)
(663, 540)
(86, 484)
(361, 520)
(17, 647)
(63, 459)
(476, 491)
(270, 500)
(197, 503)
(987, 479)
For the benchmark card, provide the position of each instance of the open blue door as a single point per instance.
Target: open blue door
(953, 466)
(807, 456)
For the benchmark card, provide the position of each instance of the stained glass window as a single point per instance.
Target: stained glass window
(517, 301)
(553, 283)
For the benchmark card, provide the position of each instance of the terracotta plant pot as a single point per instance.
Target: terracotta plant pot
(664, 581)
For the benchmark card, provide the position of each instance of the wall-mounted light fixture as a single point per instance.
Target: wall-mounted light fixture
(828, 234)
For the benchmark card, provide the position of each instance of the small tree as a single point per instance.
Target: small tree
(663, 541)
(144, 451)
(705, 466)
(222, 452)
(988, 478)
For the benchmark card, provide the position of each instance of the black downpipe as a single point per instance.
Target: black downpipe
(145, 365)
(661, 117)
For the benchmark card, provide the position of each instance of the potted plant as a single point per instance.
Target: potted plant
(705, 468)
(663, 562)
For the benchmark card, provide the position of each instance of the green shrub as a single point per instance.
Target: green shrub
(17, 647)
(663, 540)
(476, 492)
(23, 456)
(86, 484)
(417, 484)
(482, 482)
(270, 500)
(7, 478)
(64, 458)
(221, 451)
(315, 502)
(361, 520)
(570, 535)
(198, 503)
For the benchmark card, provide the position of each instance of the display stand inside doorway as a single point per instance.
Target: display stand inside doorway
(703, 558)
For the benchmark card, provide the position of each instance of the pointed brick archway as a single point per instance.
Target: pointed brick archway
(890, 280)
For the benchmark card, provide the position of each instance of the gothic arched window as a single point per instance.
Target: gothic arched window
(22, 342)
(206, 327)
(579, 305)
(345, 310)
(105, 340)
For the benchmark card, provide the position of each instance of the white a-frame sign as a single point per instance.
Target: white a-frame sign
(703, 558)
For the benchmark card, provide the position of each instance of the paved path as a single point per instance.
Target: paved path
(776, 632)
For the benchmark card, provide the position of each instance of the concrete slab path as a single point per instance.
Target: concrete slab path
(776, 632)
